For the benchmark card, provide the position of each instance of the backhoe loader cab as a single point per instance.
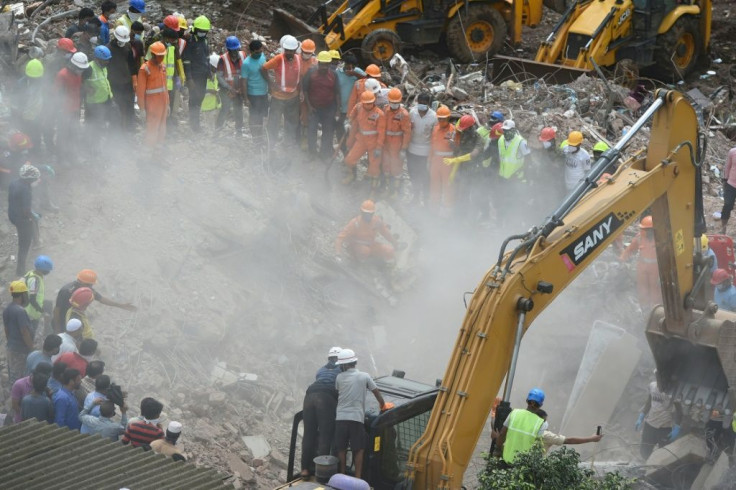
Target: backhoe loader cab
(471, 29)
(668, 36)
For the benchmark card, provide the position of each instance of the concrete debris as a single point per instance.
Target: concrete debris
(238, 466)
(685, 450)
(258, 446)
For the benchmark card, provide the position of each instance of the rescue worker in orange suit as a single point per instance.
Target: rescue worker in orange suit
(371, 71)
(309, 60)
(442, 145)
(398, 137)
(153, 97)
(466, 167)
(647, 272)
(285, 90)
(369, 126)
(359, 236)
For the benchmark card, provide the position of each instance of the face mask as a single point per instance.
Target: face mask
(134, 16)
(422, 107)
(255, 56)
(341, 66)
(394, 105)
(547, 144)
(201, 35)
(306, 56)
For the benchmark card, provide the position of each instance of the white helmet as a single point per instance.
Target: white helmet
(122, 34)
(508, 124)
(80, 60)
(346, 356)
(214, 60)
(373, 85)
(289, 42)
(334, 352)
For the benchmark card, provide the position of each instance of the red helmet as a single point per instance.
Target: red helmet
(547, 134)
(172, 22)
(496, 131)
(66, 44)
(19, 142)
(465, 122)
(719, 276)
(81, 298)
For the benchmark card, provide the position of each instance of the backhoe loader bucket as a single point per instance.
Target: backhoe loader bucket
(521, 70)
(284, 23)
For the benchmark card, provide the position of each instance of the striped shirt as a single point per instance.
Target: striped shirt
(141, 433)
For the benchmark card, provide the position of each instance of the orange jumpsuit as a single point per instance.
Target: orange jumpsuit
(153, 97)
(358, 89)
(398, 136)
(647, 273)
(442, 144)
(369, 127)
(359, 236)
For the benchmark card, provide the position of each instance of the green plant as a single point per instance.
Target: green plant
(534, 470)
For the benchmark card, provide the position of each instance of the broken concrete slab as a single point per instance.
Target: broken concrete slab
(258, 446)
(239, 466)
(689, 449)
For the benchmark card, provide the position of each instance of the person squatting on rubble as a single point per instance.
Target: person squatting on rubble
(660, 417)
(359, 236)
(320, 403)
(647, 272)
(167, 445)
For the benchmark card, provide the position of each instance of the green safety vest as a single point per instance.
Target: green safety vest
(169, 63)
(33, 313)
(211, 101)
(521, 433)
(511, 162)
(100, 87)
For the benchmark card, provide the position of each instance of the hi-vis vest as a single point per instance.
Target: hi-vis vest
(82, 316)
(521, 433)
(170, 64)
(229, 67)
(33, 313)
(99, 84)
(511, 161)
(211, 100)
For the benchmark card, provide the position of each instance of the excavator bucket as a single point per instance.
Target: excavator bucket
(284, 23)
(521, 70)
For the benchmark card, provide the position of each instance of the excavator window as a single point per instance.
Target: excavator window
(396, 441)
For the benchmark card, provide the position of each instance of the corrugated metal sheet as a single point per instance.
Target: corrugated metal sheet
(36, 455)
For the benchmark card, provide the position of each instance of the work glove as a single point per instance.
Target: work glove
(456, 160)
(674, 433)
(377, 153)
(387, 406)
(639, 421)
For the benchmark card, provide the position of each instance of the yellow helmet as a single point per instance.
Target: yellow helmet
(18, 287)
(575, 138)
(335, 54)
(324, 57)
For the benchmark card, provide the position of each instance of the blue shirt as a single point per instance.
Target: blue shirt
(251, 70)
(66, 409)
(327, 374)
(711, 253)
(346, 83)
(92, 409)
(34, 359)
(54, 385)
(726, 300)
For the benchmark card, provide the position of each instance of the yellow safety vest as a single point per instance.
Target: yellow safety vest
(511, 161)
(33, 313)
(82, 316)
(127, 22)
(211, 100)
(100, 87)
(169, 63)
(521, 433)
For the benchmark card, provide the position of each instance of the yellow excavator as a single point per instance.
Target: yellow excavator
(667, 36)
(472, 29)
(427, 440)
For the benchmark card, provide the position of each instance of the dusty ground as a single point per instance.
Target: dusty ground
(228, 258)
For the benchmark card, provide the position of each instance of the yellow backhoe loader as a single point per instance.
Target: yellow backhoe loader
(427, 440)
(472, 29)
(667, 36)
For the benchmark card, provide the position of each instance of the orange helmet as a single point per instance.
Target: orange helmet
(373, 71)
(465, 122)
(87, 276)
(496, 131)
(172, 22)
(443, 112)
(308, 46)
(81, 298)
(158, 48)
(19, 142)
(368, 206)
(646, 223)
(394, 95)
(719, 276)
(367, 97)
(547, 134)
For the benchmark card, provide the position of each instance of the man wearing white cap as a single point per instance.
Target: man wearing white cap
(70, 338)
(167, 446)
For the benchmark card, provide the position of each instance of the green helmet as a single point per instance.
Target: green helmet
(601, 146)
(202, 23)
(34, 69)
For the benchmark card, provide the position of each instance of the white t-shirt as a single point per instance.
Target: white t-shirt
(660, 413)
(421, 131)
(577, 166)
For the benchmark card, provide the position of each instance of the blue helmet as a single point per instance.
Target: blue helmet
(139, 5)
(535, 395)
(497, 116)
(102, 53)
(43, 264)
(232, 42)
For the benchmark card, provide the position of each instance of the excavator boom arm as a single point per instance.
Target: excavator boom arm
(518, 288)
